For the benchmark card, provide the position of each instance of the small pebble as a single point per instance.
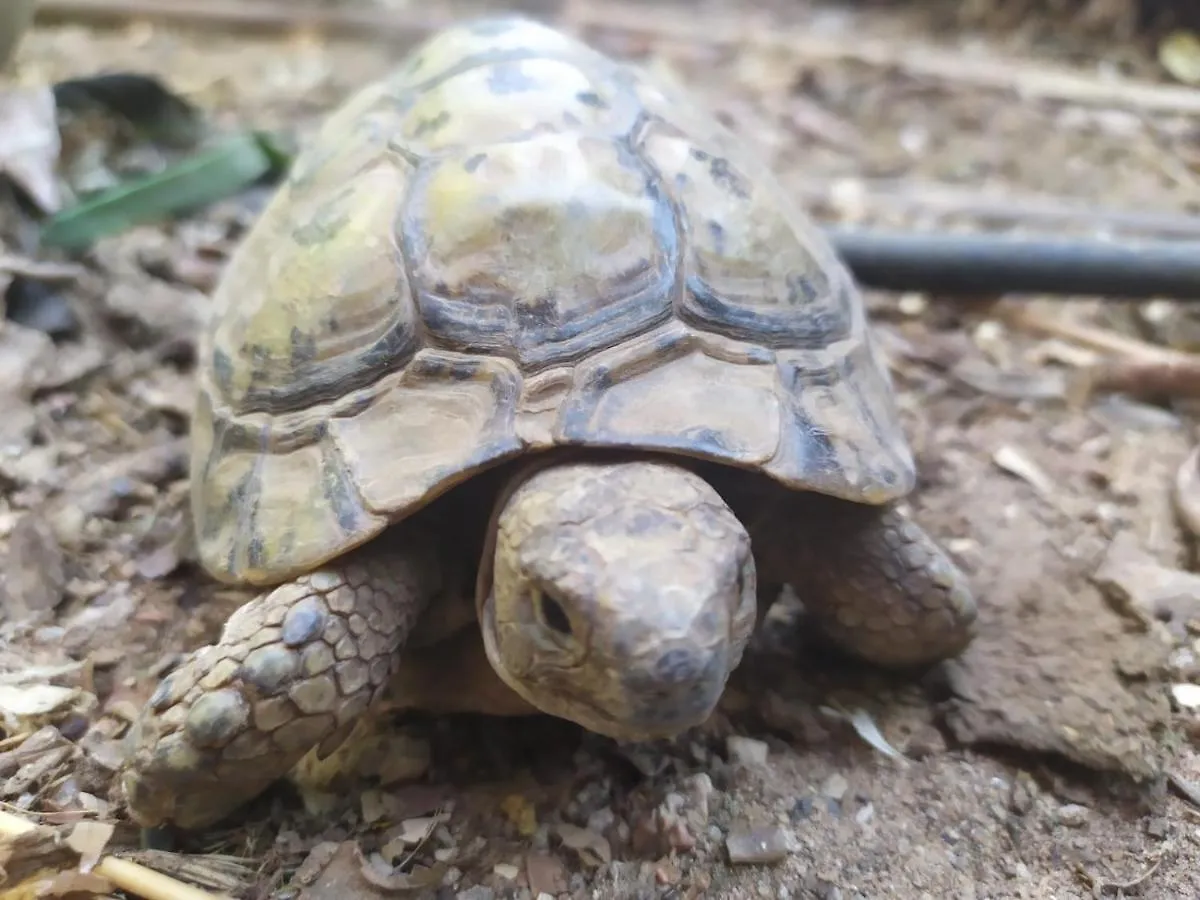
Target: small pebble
(507, 871)
(1186, 695)
(1073, 815)
(601, 820)
(479, 892)
(758, 845)
(1158, 827)
(700, 789)
(746, 751)
(835, 786)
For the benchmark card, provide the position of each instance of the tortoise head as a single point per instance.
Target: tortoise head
(619, 595)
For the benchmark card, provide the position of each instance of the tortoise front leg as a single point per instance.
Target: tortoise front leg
(294, 667)
(871, 579)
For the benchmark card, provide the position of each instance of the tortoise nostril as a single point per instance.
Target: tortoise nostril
(554, 615)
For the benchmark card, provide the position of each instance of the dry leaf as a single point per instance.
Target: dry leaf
(89, 840)
(593, 848)
(30, 143)
(20, 705)
(74, 885)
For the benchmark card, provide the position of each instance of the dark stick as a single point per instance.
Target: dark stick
(989, 265)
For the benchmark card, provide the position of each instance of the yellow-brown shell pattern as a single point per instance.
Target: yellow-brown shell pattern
(512, 243)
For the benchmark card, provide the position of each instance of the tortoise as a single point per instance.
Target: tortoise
(527, 384)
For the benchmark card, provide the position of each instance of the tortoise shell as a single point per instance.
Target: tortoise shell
(512, 243)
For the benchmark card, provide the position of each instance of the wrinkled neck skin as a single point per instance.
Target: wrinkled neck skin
(619, 593)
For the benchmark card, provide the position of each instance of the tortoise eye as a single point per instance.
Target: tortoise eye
(553, 615)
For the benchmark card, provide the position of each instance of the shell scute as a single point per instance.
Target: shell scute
(327, 307)
(541, 250)
(446, 413)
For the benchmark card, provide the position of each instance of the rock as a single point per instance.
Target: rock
(699, 789)
(479, 892)
(1145, 589)
(507, 871)
(1186, 695)
(601, 820)
(835, 786)
(746, 751)
(1073, 815)
(757, 845)
(34, 572)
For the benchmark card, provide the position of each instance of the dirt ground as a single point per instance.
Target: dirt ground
(1050, 761)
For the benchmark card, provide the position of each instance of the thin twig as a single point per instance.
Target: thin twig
(1138, 368)
(1036, 321)
(933, 198)
(1029, 80)
(1100, 885)
(126, 875)
(1188, 790)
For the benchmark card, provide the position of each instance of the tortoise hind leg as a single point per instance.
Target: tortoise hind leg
(293, 668)
(870, 578)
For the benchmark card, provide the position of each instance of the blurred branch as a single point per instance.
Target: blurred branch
(1029, 79)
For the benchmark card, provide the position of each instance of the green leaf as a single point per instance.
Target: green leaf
(197, 181)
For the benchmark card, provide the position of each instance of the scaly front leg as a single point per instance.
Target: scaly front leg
(293, 668)
(871, 579)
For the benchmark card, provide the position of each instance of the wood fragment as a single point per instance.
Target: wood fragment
(126, 875)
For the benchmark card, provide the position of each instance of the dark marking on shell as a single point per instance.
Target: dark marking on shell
(472, 163)
(339, 491)
(323, 381)
(592, 99)
(571, 120)
(256, 551)
(724, 175)
(303, 347)
(801, 290)
(716, 232)
(222, 369)
(426, 127)
(326, 221)
(807, 328)
(509, 77)
(816, 447)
